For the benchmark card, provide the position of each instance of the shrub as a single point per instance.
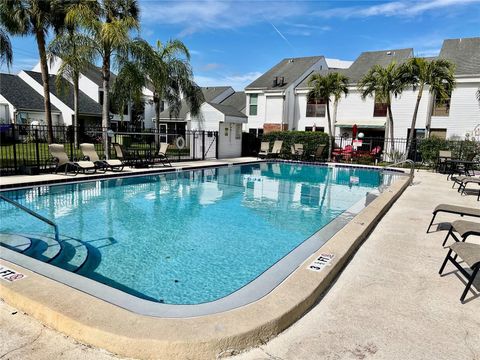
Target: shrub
(466, 149)
(310, 140)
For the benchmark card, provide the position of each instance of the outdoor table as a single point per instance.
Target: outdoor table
(455, 167)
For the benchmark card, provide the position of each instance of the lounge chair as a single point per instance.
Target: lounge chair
(264, 149)
(470, 254)
(464, 229)
(89, 152)
(161, 155)
(318, 153)
(463, 181)
(61, 160)
(297, 151)
(453, 209)
(277, 147)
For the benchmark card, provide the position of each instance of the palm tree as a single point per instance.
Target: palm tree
(35, 17)
(108, 24)
(166, 68)
(324, 88)
(6, 52)
(76, 53)
(383, 82)
(438, 75)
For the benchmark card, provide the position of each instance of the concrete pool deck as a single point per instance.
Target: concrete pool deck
(388, 303)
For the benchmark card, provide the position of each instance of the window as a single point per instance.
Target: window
(418, 134)
(315, 107)
(441, 107)
(317, 128)
(438, 133)
(238, 132)
(379, 108)
(253, 104)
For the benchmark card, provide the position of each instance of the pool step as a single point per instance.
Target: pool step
(69, 254)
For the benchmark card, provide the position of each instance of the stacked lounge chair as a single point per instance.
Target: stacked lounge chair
(89, 152)
(264, 149)
(61, 160)
(454, 209)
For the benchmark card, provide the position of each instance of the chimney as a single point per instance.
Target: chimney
(275, 81)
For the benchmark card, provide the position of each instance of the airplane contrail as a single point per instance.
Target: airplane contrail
(281, 35)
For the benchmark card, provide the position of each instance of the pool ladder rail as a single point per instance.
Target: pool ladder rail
(408, 161)
(33, 213)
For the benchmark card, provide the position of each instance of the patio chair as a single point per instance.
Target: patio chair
(318, 153)
(264, 149)
(61, 160)
(127, 157)
(454, 209)
(88, 150)
(297, 151)
(376, 153)
(443, 157)
(470, 254)
(464, 229)
(277, 147)
(161, 155)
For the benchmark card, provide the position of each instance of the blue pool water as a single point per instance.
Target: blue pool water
(187, 237)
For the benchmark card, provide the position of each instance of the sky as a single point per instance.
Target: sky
(234, 42)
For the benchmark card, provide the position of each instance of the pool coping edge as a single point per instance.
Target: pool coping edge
(120, 331)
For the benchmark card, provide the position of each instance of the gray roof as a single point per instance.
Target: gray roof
(304, 83)
(87, 106)
(227, 110)
(290, 69)
(21, 95)
(237, 100)
(209, 93)
(364, 63)
(464, 53)
(370, 58)
(94, 73)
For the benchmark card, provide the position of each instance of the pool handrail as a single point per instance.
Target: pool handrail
(33, 213)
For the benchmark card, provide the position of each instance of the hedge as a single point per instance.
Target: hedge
(465, 149)
(311, 140)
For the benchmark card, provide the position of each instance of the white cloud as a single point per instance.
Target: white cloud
(210, 66)
(238, 82)
(195, 16)
(395, 8)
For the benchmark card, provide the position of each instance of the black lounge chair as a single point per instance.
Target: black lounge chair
(463, 181)
(470, 254)
(60, 158)
(129, 158)
(454, 209)
(464, 229)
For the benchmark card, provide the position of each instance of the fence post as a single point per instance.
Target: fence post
(194, 147)
(71, 142)
(203, 144)
(216, 144)
(14, 149)
(37, 155)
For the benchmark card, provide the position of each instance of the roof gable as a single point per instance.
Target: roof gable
(87, 106)
(21, 95)
(237, 100)
(227, 110)
(289, 69)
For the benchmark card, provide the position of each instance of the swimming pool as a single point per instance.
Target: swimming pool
(189, 237)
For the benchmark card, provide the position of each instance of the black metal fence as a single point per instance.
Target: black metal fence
(24, 148)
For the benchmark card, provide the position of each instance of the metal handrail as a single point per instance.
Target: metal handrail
(33, 213)
(408, 161)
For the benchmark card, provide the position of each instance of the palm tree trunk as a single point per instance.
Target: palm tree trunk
(156, 101)
(75, 107)
(390, 125)
(46, 85)
(330, 138)
(106, 103)
(414, 119)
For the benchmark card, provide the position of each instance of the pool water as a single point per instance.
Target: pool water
(188, 237)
